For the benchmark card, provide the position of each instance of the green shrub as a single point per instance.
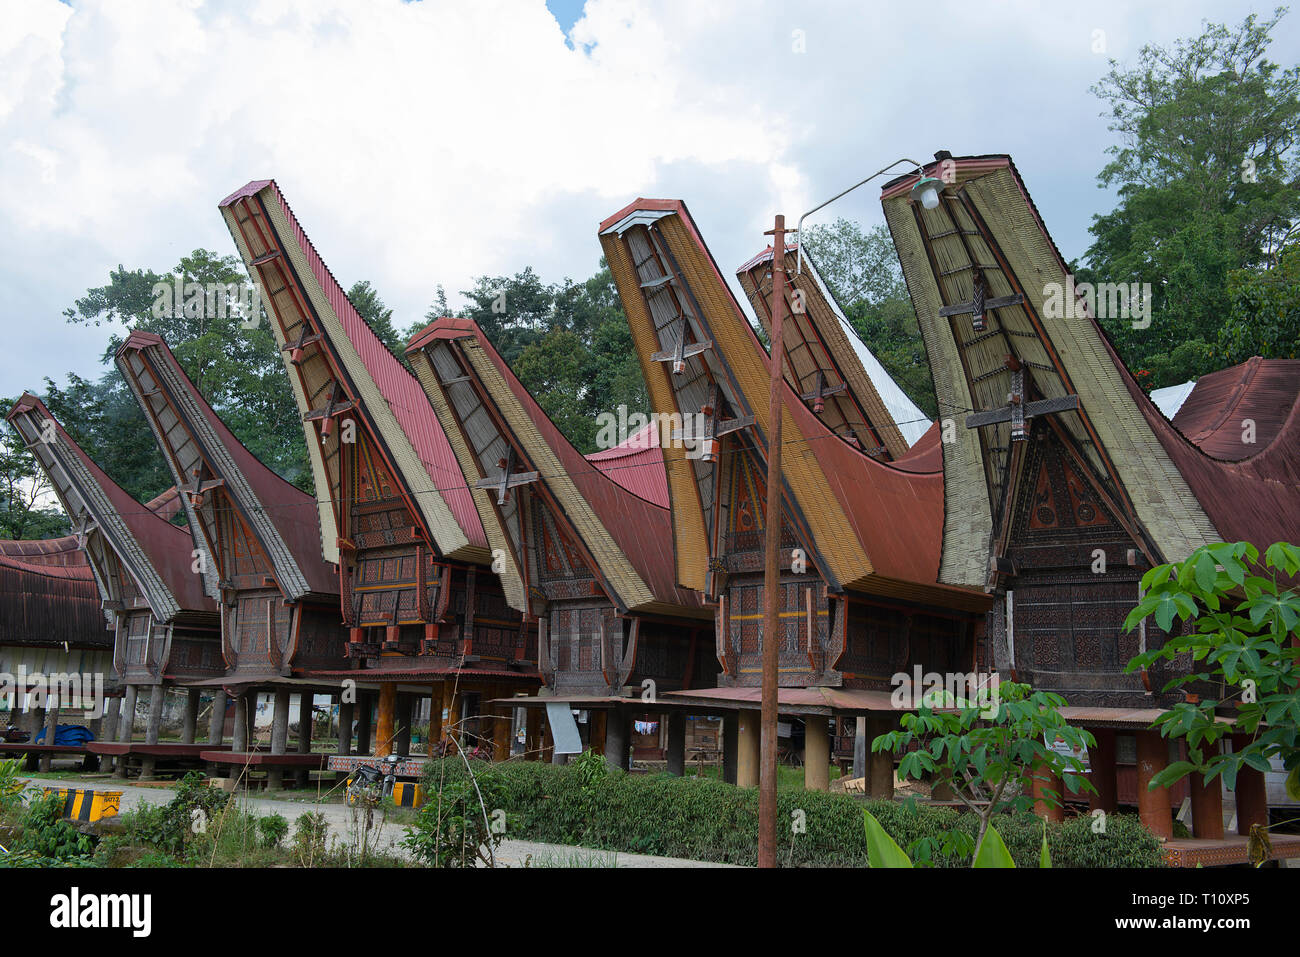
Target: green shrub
(46, 839)
(463, 821)
(309, 832)
(273, 829)
(707, 820)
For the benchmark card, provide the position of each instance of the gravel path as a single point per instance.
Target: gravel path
(511, 853)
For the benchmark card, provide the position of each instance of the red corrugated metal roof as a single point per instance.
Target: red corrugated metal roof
(641, 528)
(395, 382)
(291, 510)
(1261, 392)
(637, 464)
(62, 551)
(926, 455)
(169, 548)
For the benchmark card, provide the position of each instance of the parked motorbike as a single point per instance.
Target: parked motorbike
(15, 735)
(368, 784)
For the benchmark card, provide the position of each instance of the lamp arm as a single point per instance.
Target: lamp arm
(798, 242)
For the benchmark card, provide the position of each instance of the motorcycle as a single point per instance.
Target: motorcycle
(369, 784)
(15, 735)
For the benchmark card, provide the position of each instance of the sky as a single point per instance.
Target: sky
(432, 142)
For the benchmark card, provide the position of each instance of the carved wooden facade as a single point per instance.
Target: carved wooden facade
(164, 627)
(255, 532)
(574, 550)
(391, 501)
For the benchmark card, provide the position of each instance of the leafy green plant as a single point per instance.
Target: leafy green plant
(1246, 621)
(462, 823)
(11, 785)
(988, 761)
(47, 837)
(309, 832)
(272, 829)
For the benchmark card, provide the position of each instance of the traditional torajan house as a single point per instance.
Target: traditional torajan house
(51, 623)
(260, 544)
(1064, 482)
(165, 628)
(395, 513)
(577, 546)
(860, 600)
(826, 362)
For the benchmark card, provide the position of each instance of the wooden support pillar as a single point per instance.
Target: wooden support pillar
(1153, 805)
(384, 719)
(880, 764)
(747, 739)
(279, 737)
(676, 721)
(616, 739)
(112, 713)
(346, 709)
(452, 729)
(217, 719)
(1207, 806)
(366, 703)
(157, 695)
(435, 717)
(189, 729)
(1101, 771)
(239, 735)
(1252, 799)
(402, 731)
(548, 740)
(502, 725)
(533, 738)
(1049, 794)
(306, 716)
(817, 754)
(51, 728)
(861, 747)
(126, 724)
(598, 732)
(730, 724)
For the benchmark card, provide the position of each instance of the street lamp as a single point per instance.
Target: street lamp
(926, 192)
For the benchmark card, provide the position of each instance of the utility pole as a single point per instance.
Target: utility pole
(772, 564)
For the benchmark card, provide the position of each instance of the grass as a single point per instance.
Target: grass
(787, 778)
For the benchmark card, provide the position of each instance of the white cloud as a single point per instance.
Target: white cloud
(432, 142)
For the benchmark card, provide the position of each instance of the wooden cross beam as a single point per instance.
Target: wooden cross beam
(714, 427)
(818, 395)
(85, 525)
(197, 486)
(679, 353)
(508, 479)
(1017, 410)
(337, 404)
(980, 303)
(305, 338)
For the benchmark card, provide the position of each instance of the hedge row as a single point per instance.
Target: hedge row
(710, 821)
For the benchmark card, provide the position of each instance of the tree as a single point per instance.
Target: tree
(1244, 642)
(22, 488)
(232, 359)
(379, 317)
(989, 760)
(1207, 172)
(1265, 316)
(863, 274)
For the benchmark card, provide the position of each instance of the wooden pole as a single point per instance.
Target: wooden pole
(435, 717)
(772, 563)
(384, 726)
(1101, 771)
(1153, 805)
